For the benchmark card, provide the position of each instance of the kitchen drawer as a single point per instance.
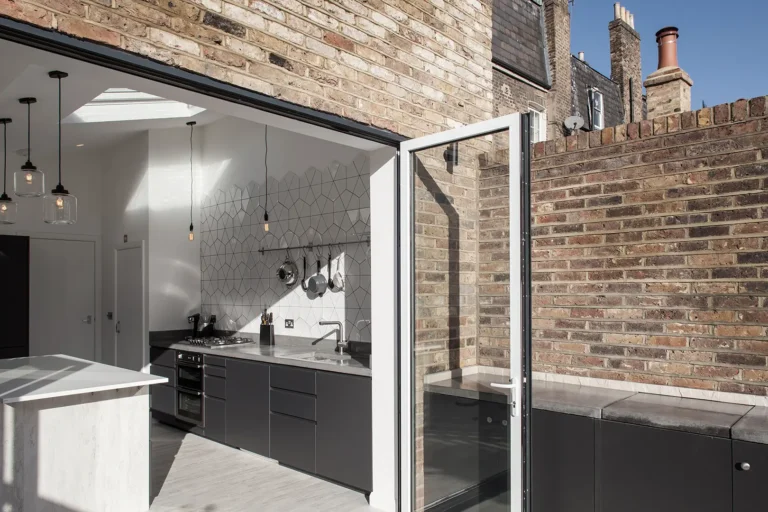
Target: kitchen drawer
(216, 371)
(292, 441)
(215, 361)
(164, 371)
(292, 379)
(162, 356)
(215, 386)
(163, 399)
(292, 404)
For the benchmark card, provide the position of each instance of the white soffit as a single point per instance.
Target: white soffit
(122, 104)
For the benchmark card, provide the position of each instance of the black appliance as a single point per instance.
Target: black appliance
(194, 319)
(189, 388)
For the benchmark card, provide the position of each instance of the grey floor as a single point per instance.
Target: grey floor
(190, 473)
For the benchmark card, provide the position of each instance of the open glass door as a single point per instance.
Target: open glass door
(465, 318)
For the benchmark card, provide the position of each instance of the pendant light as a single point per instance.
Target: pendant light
(8, 209)
(28, 182)
(191, 125)
(59, 207)
(266, 177)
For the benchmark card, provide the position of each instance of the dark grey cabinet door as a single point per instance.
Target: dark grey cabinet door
(644, 468)
(247, 411)
(293, 442)
(163, 399)
(344, 449)
(563, 460)
(749, 486)
(14, 276)
(215, 419)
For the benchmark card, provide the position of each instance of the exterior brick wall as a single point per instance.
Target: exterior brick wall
(411, 66)
(650, 252)
(558, 25)
(626, 65)
(511, 95)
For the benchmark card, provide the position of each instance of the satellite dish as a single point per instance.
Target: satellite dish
(574, 123)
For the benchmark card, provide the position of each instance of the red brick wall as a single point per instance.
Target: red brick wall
(650, 259)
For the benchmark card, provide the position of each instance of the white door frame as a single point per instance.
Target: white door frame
(96, 239)
(145, 301)
(511, 123)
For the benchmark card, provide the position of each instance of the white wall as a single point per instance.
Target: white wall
(174, 261)
(125, 198)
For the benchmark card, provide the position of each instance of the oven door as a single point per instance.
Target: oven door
(189, 376)
(189, 406)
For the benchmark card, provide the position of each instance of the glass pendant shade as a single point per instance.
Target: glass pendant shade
(60, 207)
(9, 210)
(28, 182)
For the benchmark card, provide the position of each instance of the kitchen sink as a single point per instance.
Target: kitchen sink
(320, 357)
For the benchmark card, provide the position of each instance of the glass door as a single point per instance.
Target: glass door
(465, 318)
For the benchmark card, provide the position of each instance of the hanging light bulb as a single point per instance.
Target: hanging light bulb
(28, 181)
(8, 209)
(191, 125)
(266, 178)
(59, 207)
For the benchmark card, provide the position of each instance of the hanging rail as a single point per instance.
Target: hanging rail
(367, 240)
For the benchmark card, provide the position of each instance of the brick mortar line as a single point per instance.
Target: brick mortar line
(684, 199)
(657, 228)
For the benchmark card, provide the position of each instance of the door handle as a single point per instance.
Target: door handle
(512, 385)
(88, 320)
(117, 327)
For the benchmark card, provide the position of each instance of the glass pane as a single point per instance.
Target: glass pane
(462, 317)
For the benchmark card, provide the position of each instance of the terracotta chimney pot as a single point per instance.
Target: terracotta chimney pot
(667, 40)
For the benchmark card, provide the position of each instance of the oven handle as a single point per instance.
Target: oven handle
(189, 365)
(189, 391)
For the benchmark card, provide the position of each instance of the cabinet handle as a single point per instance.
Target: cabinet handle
(744, 466)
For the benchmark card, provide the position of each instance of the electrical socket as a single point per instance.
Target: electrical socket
(289, 323)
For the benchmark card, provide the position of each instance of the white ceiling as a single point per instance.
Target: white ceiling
(25, 73)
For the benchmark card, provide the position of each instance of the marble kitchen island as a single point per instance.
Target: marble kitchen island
(75, 435)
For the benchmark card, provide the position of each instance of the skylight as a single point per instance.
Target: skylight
(119, 104)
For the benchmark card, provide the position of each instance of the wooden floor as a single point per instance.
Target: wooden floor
(190, 473)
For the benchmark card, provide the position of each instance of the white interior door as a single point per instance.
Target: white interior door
(129, 308)
(62, 298)
(464, 311)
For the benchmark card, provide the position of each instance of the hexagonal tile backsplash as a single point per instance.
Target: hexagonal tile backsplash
(329, 205)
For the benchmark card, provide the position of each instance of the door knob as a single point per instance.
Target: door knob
(117, 327)
(744, 466)
(88, 320)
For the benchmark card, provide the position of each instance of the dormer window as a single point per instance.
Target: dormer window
(596, 109)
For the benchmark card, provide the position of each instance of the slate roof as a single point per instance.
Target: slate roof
(519, 42)
(584, 77)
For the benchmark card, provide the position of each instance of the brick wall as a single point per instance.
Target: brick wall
(410, 66)
(558, 26)
(511, 95)
(650, 251)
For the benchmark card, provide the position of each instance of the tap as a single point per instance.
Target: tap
(341, 343)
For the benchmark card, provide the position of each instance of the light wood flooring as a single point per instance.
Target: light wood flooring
(190, 474)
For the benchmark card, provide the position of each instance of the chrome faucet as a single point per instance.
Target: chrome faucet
(341, 343)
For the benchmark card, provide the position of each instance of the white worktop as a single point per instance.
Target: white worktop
(35, 378)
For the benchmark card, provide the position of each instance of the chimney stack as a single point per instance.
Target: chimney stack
(669, 87)
(557, 18)
(626, 67)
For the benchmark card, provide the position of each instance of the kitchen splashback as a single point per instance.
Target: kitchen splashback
(318, 206)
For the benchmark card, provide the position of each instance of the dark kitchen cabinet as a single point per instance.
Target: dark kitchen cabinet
(750, 474)
(163, 399)
(293, 441)
(215, 419)
(247, 410)
(344, 451)
(14, 276)
(645, 468)
(563, 462)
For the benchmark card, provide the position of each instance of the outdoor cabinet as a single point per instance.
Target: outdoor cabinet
(645, 468)
(749, 485)
(344, 448)
(247, 407)
(563, 462)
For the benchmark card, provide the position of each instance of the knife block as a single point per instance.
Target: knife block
(267, 335)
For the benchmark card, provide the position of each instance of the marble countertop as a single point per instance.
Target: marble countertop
(285, 353)
(720, 419)
(24, 379)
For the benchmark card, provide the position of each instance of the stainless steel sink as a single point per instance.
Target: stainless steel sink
(321, 357)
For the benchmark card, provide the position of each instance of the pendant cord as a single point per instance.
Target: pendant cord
(29, 132)
(59, 131)
(266, 172)
(5, 155)
(191, 175)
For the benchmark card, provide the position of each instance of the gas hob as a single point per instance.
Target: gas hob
(231, 341)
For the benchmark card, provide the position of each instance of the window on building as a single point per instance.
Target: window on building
(538, 124)
(596, 109)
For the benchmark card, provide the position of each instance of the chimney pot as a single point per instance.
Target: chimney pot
(617, 11)
(623, 14)
(632, 20)
(581, 56)
(667, 41)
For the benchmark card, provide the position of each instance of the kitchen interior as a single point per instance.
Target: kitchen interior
(225, 249)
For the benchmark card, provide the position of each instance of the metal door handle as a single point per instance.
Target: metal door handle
(117, 327)
(745, 466)
(88, 320)
(512, 385)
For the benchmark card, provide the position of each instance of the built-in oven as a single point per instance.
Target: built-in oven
(189, 388)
